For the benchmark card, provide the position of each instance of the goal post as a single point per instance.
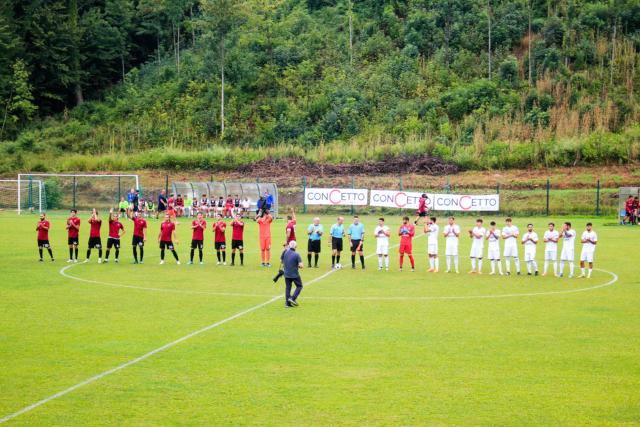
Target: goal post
(29, 196)
(78, 191)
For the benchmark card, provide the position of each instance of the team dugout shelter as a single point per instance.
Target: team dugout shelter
(213, 190)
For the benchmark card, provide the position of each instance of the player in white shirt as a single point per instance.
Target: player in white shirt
(530, 242)
(432, 229)
(589, 241)
(382, 233)
(477, 246)
(568, 248)
(510, 235)
(493, 237)
(551, 237)
(451, 234)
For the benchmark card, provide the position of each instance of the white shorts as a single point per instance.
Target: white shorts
(476, 251)
(586, 256)
(432, 249)
(494, 254)
(550, 255)
(382, 248)
(567, 255)
(451, 249)
(530, 254)
(510, 251)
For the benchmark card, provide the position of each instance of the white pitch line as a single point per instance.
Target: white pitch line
(152, 352)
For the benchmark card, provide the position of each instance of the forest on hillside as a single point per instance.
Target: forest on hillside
(127, 84)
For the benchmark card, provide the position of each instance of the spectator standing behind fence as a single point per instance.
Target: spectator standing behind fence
(162, 203)
(268, 200)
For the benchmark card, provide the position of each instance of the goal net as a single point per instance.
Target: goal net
(79, 191)
(32, 195)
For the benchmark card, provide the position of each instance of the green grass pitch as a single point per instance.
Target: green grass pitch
(365, 348)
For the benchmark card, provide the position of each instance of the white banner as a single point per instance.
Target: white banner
(436, 202)
(336, 196)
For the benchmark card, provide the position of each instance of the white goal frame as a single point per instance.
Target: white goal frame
(23, 176)
(40, 185)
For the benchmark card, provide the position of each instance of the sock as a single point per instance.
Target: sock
(353, 260)
(141, 253)
(338, 259)
(50, 253)
(448, 262)
(161, 254)
(516, 260)
(88, 253)
(267, 255)
(571, 266)
(362, 260)
(589, 272)
(499, 267)
(473, 264)
(135, 253)
(555, 268)
(333, 260)
(582, 270)
(309, 259)
(437, 263)
(546, 266)
(431, 263)
(561, 266)
(401, 260)
(191, 254)
(175, 254)
(316, 259)
(535, 264)
(480, 264)
(76, 250)
(263, 257)
(233, 258)
(241, 258)
(413, 264)
(199, 254)
(40, 252)
(100, 253)
(493, 266)
(218, 255)
(507, 263)
(224, 256)
(106, 255)
(386, 261)
(455, 262)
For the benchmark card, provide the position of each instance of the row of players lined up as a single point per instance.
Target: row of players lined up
(356, 235)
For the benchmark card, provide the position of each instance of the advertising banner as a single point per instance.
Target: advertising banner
(436, 202)
(336, 196)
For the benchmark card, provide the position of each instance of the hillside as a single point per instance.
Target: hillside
(480, 84)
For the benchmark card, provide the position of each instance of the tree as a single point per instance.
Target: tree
(221, 18)
(21, 107)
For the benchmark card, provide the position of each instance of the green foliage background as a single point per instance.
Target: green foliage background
(128, 84)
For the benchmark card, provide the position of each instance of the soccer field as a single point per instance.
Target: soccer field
(124, 344)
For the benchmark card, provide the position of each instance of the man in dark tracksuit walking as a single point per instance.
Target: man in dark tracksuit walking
(291, 263)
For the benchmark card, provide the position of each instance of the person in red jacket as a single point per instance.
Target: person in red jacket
(406, 233)
(220, 240)
(43, 236)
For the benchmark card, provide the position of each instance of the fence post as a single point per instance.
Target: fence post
(353, 185)
(401, 185)
(304, 190)
(119, 191)
(74, 192)
(498, 188)
(598, 198)
(548, 189)
(166, 185)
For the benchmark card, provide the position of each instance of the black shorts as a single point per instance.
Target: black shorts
(237, 244)
(95, 242)
(137, 241)
(354, 245)
(161, 208)
(113, 242)
(43, 244)
(196, 244)
(72, 241)
(314, 246)
(221, 246)
(122, 210)
(422, 214)
(166, 245)
(336, 243)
